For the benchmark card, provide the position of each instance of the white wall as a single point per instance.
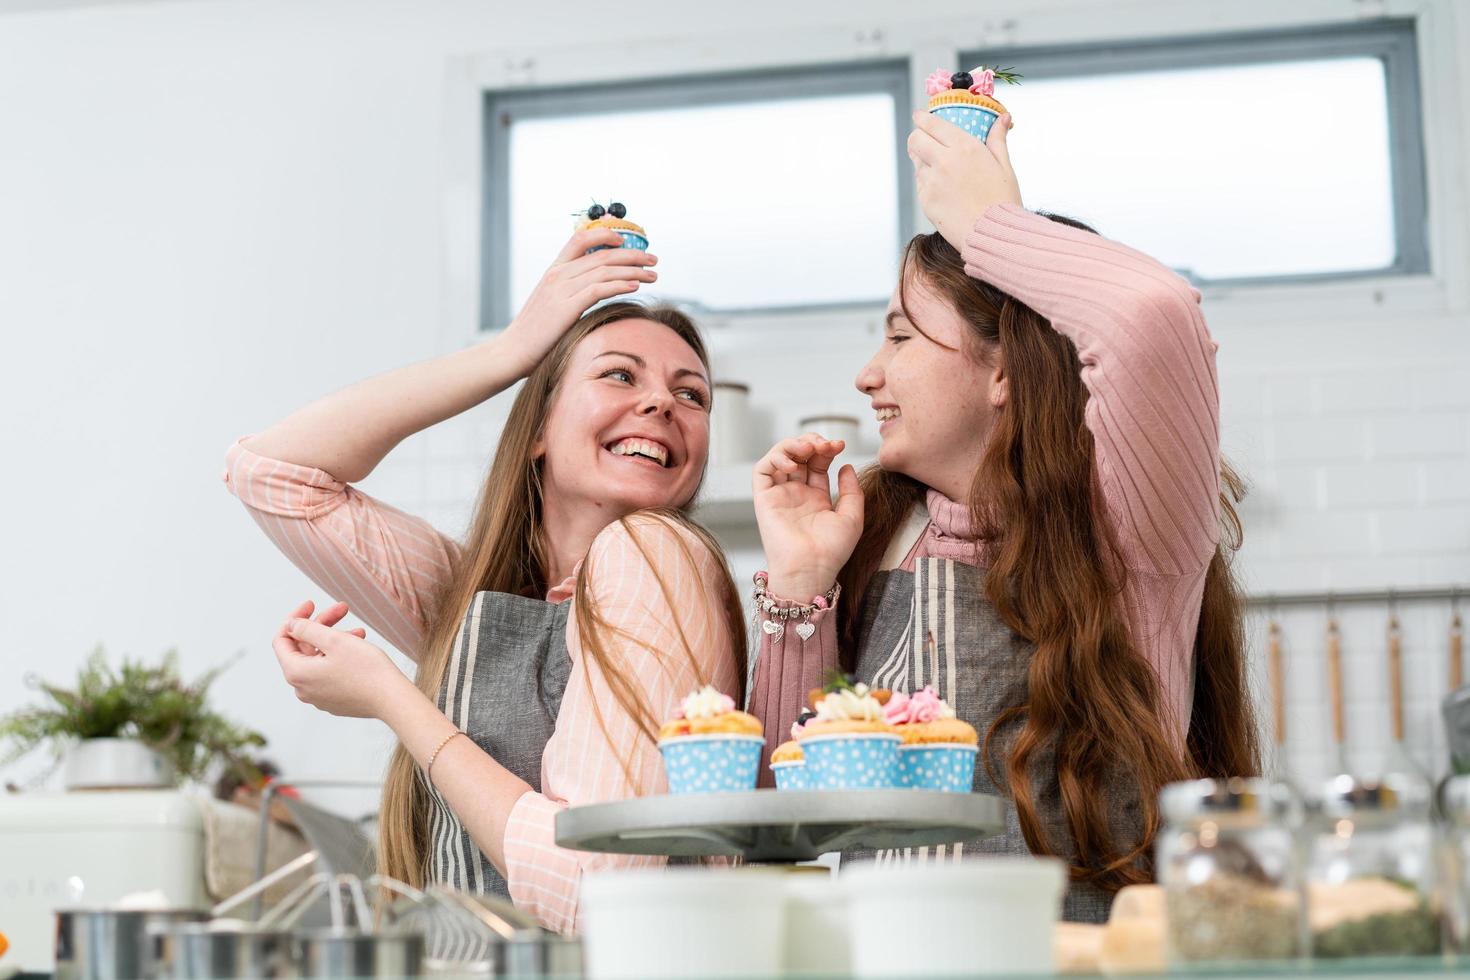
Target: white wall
(213, 211)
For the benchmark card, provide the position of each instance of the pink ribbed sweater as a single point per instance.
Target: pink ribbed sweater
(1148, 364)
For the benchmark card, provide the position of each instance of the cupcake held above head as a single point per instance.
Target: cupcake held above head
(967, 98)
(709, 746)
(614, 217)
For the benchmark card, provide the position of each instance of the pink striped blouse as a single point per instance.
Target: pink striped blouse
(386, 565)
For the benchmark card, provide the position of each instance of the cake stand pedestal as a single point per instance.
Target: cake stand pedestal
(778, 827)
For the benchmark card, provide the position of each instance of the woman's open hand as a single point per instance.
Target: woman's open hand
(957, 176)
(574, 284)
(807, 538)
(338, 671)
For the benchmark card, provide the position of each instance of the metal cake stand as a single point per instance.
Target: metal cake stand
(768, 826)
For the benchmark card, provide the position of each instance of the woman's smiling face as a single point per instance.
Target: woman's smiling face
(934, 400)
(628, 427)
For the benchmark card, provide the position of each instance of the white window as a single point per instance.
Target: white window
(776, 191)
(1280, 157)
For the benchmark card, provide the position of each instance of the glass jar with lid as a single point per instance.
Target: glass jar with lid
(1371, 870)
(1230, 868)
(1456, 865)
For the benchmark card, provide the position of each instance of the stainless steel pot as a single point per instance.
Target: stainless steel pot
(205, 951)
(337, 953)
(112, 944)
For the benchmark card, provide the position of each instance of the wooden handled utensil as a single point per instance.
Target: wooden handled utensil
(1278, 685)
(1334, 690)
(1457, 651)
(1396, 678)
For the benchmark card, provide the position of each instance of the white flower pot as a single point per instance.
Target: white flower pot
(115, 763)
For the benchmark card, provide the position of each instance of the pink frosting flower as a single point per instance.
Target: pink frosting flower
(938, 82)
(984, 82)
(911, 709)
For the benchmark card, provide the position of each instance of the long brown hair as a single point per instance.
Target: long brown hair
(1055, 577)
(505, 551)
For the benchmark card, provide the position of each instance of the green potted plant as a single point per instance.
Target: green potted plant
(139, 725)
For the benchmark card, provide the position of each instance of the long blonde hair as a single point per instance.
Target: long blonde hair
(505, 551)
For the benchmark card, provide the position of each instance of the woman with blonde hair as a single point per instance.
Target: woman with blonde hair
(581, 607)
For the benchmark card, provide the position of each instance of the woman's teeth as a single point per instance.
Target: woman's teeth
(884, 414)
(637, 447)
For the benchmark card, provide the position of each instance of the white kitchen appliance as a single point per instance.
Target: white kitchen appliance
(89, 849)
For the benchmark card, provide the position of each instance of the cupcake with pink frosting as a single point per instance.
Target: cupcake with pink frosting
(967, 98)
(709, 746)
(938, 750)
(788, 762)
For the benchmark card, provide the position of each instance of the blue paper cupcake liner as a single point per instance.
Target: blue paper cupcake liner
(851, 761)
(948, 768)
(631, 239)
(972, 119)
(712, 763)
(792, 774)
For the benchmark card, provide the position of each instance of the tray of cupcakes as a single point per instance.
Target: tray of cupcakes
(864, 768)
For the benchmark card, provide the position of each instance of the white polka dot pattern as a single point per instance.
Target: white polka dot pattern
(712, 763)
(631, 239)
(972, 119)
(791, 775)
(857, 761)
(948, 768)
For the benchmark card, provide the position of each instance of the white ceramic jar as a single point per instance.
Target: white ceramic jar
(729, 425)
(980, 917)
(817, 940)
(683, 922)
(115, 763)
(844, 427)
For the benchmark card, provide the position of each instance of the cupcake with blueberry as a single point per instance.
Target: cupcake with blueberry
(938, 750)
(849, 744)
(788, 762)
(967, 98)
(709, 746)
(614, 216)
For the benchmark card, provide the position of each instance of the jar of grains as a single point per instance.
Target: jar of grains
(1372, 880)
(1456, 865)
(1229, 865)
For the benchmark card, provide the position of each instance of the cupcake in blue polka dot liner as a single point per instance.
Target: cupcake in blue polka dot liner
(848, 745)
(614, 216)
(709, 747)
(788, 762)
(967, 98)
(938, 750)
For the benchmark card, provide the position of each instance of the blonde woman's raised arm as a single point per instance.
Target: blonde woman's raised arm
(347, 433)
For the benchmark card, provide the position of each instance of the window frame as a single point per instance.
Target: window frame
(502, 107)
(1392, 41)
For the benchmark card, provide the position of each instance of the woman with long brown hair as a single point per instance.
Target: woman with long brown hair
(580, 607)
(1044, 538)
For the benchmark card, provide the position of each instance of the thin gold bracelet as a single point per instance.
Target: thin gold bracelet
(429, 767)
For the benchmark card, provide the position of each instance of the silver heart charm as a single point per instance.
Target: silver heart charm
(774, 628)
(805, 631)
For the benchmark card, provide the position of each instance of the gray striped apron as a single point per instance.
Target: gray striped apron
(503, 688)
(978, 665)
